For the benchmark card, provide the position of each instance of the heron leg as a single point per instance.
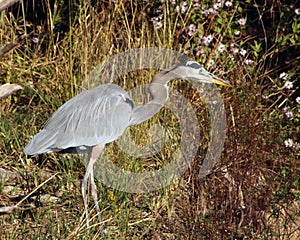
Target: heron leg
(89, 174)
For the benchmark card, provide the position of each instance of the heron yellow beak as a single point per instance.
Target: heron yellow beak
(221, 82)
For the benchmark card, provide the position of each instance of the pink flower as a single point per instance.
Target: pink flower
(35, 40)
(242, 21)
(289, 114)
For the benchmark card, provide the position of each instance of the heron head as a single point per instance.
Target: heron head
(194, 71)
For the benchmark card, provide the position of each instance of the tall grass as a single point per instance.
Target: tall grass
(253, 191)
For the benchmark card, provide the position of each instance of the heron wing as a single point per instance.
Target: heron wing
(94, 117)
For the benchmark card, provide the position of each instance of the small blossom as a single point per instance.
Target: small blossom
(207, 40)
(288, 143)
(200, 38)
(217, 5)
(212, 11)
(243, 52)
(284, 76)
(196, 5)
(221, 48)
(297, 146)
(210, 63)
(298, 100)
(35, 40)
(192, 29)
(205, 12)
(173, 2)
(157, 24)
(249, 62)
(289, 114)
(236, 33)
(288, 85)
(297, 11)
(242, 21)
(234, 49)
(286, 108)
(231, 57)
(199, 50)
(183, 9)
(160, 16)
(228, 4)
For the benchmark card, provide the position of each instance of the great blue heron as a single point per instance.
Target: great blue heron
(93, 118)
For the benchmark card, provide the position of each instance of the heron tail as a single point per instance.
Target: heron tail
(42, 142)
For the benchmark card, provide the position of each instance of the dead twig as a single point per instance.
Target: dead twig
(7, 3)
(10, 46)
(8, 89)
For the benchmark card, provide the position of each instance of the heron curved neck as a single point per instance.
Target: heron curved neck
(159, 93)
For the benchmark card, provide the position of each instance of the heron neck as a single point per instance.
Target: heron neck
(159, 92)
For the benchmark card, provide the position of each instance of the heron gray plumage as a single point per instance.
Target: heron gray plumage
(96, 117)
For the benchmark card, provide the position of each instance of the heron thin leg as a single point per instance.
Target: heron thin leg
(89, 174)
(95, 196)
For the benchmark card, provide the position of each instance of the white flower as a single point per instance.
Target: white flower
(157, 24)
(212, 11)
(228, 4)
(221, 48)
(196, 5)
(183, 9)
(288, 143)
(283, 75)
(243, 52)
(288, 85)
(192, 29)
(207, 40)
(297, 11)
(298, 100)
(205, 12)
(236, 33)
(242, 21)
(289, 114)
(210, 63)
(217, 5)
(249, 61)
